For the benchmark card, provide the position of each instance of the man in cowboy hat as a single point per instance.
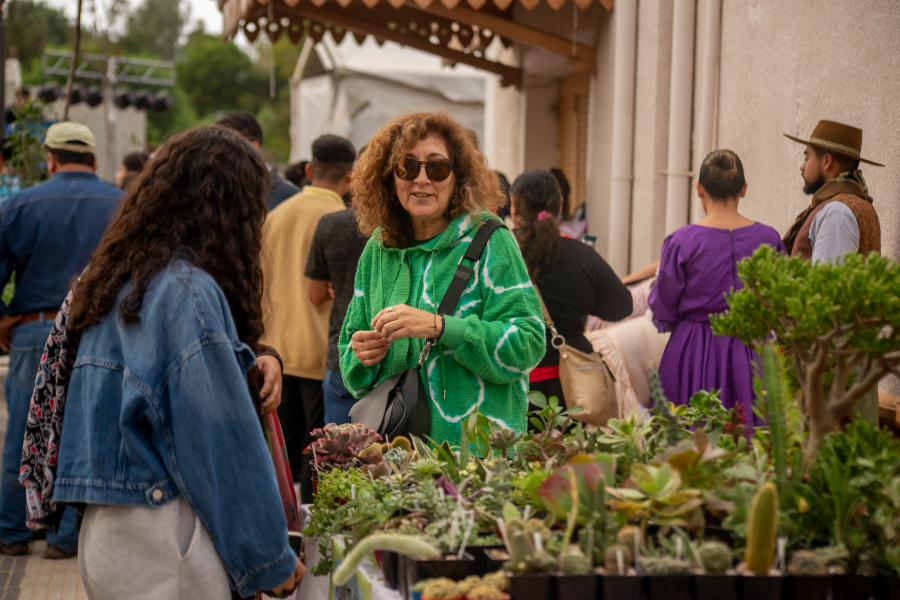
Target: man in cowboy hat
(840, 219)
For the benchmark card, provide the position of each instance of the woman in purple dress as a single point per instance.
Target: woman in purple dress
(698, 268)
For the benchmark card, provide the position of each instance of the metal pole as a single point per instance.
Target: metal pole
(109, 109)
(2, 75)
(71, 78)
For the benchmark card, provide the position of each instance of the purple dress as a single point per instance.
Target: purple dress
(698, 267)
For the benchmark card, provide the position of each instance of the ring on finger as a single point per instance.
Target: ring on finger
(390, 309)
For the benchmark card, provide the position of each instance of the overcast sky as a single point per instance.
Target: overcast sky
(201, 10)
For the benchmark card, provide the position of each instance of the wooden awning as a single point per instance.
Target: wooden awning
(457, 30)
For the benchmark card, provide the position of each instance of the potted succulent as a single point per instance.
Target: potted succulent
(529, 564)
(758, 580)
(618, 579)
(807, 576)
(442, 588)
(715, 583)
(342, 447)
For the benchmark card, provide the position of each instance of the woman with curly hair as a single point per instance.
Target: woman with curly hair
(422, 189)
(161, 441)
(573, 279)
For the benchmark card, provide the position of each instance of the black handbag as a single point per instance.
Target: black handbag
(399, 405)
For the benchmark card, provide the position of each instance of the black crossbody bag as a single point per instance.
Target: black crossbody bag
(399, 405)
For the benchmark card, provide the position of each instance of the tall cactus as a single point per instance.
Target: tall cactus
(762, 530)
(672, 429)
(776, 395)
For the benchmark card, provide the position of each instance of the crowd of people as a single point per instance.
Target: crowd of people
(157, 329)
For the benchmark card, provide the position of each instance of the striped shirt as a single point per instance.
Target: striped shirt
(834, 233)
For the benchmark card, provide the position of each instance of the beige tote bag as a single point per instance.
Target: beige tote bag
(586, 379)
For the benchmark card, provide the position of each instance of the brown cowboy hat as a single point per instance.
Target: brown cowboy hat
(836, 137)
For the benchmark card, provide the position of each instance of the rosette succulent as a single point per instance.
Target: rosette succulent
(342, 446)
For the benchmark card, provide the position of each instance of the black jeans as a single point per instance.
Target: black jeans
(302, 409)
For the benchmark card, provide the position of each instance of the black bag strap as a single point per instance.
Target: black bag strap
(464, 273)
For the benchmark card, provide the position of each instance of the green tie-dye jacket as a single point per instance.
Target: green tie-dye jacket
(500, 321)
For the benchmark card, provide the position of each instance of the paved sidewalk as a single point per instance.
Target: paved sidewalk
(31, 577)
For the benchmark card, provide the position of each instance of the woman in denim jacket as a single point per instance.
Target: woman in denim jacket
(161, 442)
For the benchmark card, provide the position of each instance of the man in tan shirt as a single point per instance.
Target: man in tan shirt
(294, 325)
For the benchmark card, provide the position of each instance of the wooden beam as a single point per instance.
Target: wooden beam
(348, 20)
(585, 56)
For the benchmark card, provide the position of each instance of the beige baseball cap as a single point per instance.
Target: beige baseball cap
(73, 137)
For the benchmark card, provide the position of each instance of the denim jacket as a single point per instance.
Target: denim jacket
(160, 408)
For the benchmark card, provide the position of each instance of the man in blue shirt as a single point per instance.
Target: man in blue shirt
(47, 235)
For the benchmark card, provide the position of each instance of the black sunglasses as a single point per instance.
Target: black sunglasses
(438, 169)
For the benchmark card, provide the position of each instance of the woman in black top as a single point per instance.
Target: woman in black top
(572, 278)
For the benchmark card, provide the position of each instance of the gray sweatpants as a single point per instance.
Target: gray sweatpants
(144, 553)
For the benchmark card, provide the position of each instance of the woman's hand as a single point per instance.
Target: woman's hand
(291, 583)
(370, 347)
(270, 393)
(402, 321)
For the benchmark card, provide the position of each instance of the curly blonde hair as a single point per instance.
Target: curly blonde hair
(372, 186)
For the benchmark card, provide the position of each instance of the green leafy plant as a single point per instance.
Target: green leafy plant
(655, 493)
(24, 144)
(839, 324)
(343, 447)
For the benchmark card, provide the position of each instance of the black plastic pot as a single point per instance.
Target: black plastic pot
(668, 587)
(493, 562)
(852, 587)
(575, 587)
(760, 587)
(714, 587)
(447, 566)
(621, 587)
(886, 588)
(807, 587)
(390, 566)
(532, 587)
(483, 563)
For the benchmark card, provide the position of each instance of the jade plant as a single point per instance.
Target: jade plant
(838, 323)
(342, 447)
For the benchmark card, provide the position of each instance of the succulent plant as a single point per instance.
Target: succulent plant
(486, 592)
(524, 558)
(402, 443)
(807, 562)
(762, 530)
(716, 557)
(343, 447)
(656, 493)
(497, 580)
(442, 589)
(470, 583)
(663, 565)
(378, 470)
(395, 456)
(611, 560)
(575, 563)
(407, 545)
(504, 439)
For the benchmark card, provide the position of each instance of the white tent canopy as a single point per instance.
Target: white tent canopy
(352, 90)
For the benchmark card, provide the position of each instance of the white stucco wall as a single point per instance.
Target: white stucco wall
(785, 66)
(651, 131)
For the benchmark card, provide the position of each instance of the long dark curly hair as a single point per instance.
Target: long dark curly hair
(202, 198)
(372, 186)
(538, 200)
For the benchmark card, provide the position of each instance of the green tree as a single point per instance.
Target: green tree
(839, 325)
(154, 28)
(221, 75)
(31, 26)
